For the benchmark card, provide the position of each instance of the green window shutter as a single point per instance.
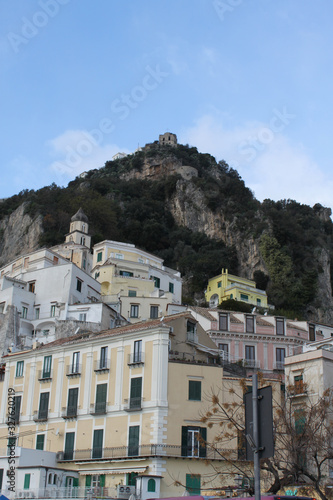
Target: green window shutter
(72, 401)
(47, 366)
(98, 444)
(184, 441)
(136, 387)
(40, 442)
(26, 481)
(193, 484)
(69, 445)
(133, 440)
(88, 481)
(194, 390)
(202, 444)
(102, 480)
(101, 393)
(75, 482)
(44, 404)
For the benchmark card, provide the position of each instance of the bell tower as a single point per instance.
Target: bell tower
(78, 231)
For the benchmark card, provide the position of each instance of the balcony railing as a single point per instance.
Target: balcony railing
(102, 365)
(133, 404)
(299, 389)
(192, 337)
(67, 492)
(136, 358)
(99, 408)
(279, 365)
(73, 370)
(44, 375)
(149, 450)
(40, 415)
(69, 412)
(251, 363)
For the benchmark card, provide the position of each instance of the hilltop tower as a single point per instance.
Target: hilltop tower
(167, 139)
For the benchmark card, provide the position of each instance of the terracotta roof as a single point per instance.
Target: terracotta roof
(203, 311)
(133, 327)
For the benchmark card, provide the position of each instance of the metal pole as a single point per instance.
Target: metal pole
(256, 460)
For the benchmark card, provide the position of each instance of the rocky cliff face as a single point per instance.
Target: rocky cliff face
(19, 234)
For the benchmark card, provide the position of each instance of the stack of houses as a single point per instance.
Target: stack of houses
(109, 374)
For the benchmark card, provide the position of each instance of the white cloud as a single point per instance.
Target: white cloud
(265, 158)
(77, 151)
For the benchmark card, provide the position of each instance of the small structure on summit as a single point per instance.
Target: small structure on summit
(167, 139)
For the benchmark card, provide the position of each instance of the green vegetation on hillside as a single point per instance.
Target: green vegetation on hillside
(290, 235)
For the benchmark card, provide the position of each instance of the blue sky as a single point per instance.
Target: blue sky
(249, 81)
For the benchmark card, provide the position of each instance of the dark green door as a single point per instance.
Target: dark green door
(43, 406)
(136, 391)
(72, 402)
(98, 444)
(133, 440)
(100, 406)
(193, 484)
(69, 446)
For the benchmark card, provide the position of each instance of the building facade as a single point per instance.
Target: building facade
(227, 286)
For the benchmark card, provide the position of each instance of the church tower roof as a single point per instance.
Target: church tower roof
(79, 216)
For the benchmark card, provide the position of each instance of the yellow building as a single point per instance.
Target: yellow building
(135, 282)
(227, 286)
(121, 407)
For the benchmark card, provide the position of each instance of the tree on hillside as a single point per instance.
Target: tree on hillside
(303, 435)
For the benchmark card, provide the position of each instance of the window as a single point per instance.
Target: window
(191, 329)
(72, 402)
(26, 481)
(312, 333)
(134, 311)
(132, 293)
(249, 323)
(103, 362)
(151, 485)
(19, 369)
(135, 394)
(83, 240)
(259, 302)
(46, 373)
(40, 441)
(24, 312)
(83, 317)
(194, 390)
(55, 261)
(69, 446)
(43, 406)
(193, 441)
(131, 478)
(224, 351)
(219, 284)
(96, 276)
(133, 440)
(100, 403)
(78, 284)
(99, 256)
(137, 355)
(97, 451)
(119, 256)
(17, 409)
(193, 484)
(171, 288)
(279, 326)
(299, 384)
(300, 421)
(223, 322)
(280, 355)
(154, 312)
(37, 313)
(244, 297)
(53, 310)
(126, 273)
(76, 362)
(250, 355)
(32, 286)
(157, 282)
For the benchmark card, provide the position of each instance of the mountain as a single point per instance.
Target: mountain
(197, 215)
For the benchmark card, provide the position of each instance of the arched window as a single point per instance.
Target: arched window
(55, 479)
(151, 485)
(50, 478)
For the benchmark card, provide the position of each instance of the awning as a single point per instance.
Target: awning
(126, 470)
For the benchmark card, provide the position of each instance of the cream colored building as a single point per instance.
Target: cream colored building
(135, 282)
(122, 407)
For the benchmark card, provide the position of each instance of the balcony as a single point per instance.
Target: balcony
(143, 451)
(279, 365)
(69, 412)
(102, 365)
(73, 370)
(299, 389)
(251, 363)
(45, 376)
(136, 358)
(99, 408)
(192, 337)
(40, 415)
(133, 404)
